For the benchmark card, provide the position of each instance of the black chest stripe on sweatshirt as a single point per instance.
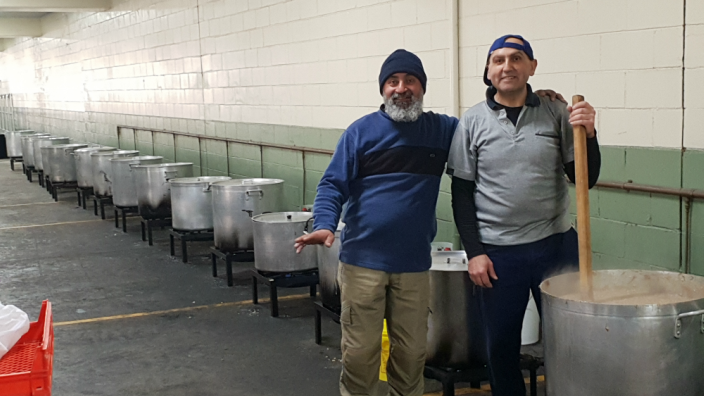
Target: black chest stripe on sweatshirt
(405, 159)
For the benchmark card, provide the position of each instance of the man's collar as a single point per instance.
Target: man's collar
(532, 99)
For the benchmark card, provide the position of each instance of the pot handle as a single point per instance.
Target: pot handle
(207, 190)
(248, 193)
(678, 321)
(168, 175)
(305, 229)
(249, 212)
(105, 176)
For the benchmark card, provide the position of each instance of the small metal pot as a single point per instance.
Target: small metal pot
(328, 263)
(84, 166)
(235, 202)
(192, 202)
(14, 142)
(42, 142)
(154, 189)
(62, 167)
(274, 234)
(124, 190)
(100, 163)
(28, 148)
(455, 335)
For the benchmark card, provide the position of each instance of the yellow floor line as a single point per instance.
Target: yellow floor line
(484, 389)
(47, 225)
(167, 311)
(27, 204)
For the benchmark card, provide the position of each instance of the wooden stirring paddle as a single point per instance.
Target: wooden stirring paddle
(582, 188)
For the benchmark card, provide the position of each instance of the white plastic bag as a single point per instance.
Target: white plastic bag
(14, 323)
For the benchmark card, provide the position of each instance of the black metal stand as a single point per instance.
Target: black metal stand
(28, 170)
(148, 224)
(100, 201)
(40, 177)
(321, 310)
(275, 280)
(229, 258)
(187, 236)
(83, 193)
(13, 160)
(124, 210)
(47, 184)
(449, 377)
(55, 187)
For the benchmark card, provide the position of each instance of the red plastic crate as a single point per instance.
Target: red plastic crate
(26, 369)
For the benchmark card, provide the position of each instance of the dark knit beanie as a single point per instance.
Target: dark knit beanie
(402, 61)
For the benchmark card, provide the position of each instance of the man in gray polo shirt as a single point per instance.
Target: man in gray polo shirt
(508, 161)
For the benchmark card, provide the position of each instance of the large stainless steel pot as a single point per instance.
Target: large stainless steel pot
(235, 202)
(455, 334)
(84, 166)
(641, 334)
(59, 158)
(124, 190)
(14, 141)
(43, 142)
(28, 147)
(273, 242)
(100, 164)
(154, 189)
(328, 263)
(192, 202)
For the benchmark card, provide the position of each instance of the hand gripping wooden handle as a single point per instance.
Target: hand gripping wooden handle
(582, 189)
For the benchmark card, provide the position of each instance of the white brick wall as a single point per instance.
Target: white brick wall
(315, 62)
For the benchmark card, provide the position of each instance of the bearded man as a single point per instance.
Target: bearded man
(387, 167)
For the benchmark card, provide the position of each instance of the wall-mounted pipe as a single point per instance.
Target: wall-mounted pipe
(454, 58)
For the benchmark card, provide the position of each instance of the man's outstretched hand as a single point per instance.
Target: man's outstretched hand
(319, 237)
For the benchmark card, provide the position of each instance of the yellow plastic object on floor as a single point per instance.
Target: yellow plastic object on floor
(385, 347)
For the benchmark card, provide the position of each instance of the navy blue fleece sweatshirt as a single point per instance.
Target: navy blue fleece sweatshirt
(389, 173)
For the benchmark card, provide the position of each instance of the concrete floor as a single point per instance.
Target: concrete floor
(210, 341)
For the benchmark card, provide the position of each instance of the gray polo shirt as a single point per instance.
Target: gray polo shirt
(521, 193)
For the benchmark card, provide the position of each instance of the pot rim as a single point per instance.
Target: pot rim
(197, 181)
(283, 218)
(162, 165)
(68, 145)
(449, 260)
(136, 158)
(96, 148)
(620, 310)
(236, 184)
(113, 152)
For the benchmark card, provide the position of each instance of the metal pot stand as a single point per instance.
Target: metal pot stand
(101, 201)
(188, 236)
(307, 278)
(83, 193)
(122, 212)
(56, 187)
(14, 160)
(242, 256)
(149, 224)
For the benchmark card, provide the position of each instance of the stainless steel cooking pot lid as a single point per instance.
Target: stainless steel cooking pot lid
(35, 136)
(200, 180)
(628, 287)
(135, 160)
(96, 148)
(453, 260)
(283, 217)
(239, 183)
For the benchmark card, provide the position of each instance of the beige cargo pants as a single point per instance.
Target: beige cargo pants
(368, 296)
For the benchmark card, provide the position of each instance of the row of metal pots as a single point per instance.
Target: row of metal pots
(645, 344)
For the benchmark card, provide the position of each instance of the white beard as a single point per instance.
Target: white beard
(403, 114)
